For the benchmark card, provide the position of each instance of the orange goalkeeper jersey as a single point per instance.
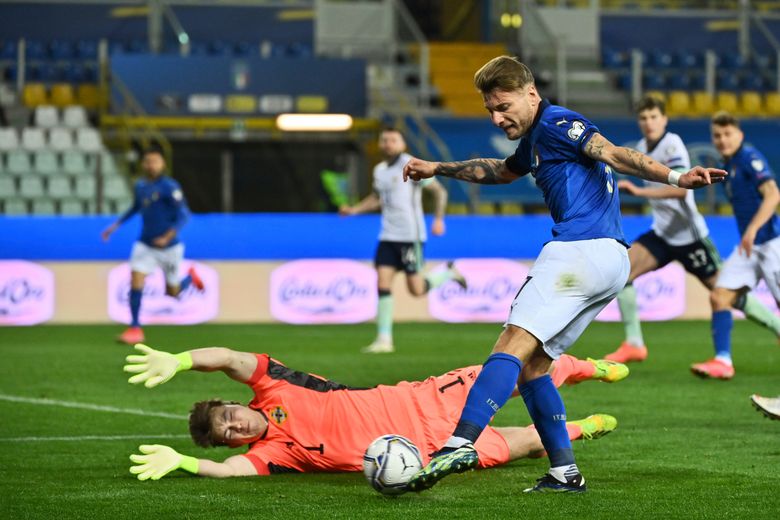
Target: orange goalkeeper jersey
(318, 425)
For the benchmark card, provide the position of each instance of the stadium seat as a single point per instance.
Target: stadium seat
(678, 81)
(654, 80)
(87, 96)
(74, 163)
(85, 188)
(772, 103)
(728, 80)
(689, 60)
(59, 187)
(31, 187)
(15, 207)
(46, 116)
(9, 139)
(74, 117)
(33, 139)
(71, 207)
(34, 95)
(703, 103)
(108, 165)
(115, 188)
(43, 207)
(660, 59)
(750, 104)
(612, 59)
(45, 163)
(62, 95)
(87, 49)
(61, 50)
(679, 103)
(7, 188)
(60, 139)
(88, 140)
(727, 101)
(18, 162)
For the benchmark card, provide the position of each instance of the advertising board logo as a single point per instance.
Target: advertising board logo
(492, 285)
(26, 293)
(191, 306)
(660, 296)
(323, 291)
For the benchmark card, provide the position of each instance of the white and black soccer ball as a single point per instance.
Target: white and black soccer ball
(389, 463)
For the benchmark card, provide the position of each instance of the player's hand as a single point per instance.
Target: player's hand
(627, 186)
(162, 240)
(746, 243)
(159, 460)
(106, 233)
(437, 228)
(417, 169)
(346, 211)
(698, 177)
(155, 367)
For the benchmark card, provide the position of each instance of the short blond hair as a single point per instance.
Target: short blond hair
(724, 118)
(505, 73)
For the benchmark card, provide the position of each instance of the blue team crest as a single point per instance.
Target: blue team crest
(576, 130)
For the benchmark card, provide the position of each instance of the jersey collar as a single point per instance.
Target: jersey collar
(543, 105)
(655, 145)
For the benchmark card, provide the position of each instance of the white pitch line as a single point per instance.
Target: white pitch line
(88, 406)
(93, 438)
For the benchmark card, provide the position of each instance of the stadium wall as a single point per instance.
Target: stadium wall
(295, 268)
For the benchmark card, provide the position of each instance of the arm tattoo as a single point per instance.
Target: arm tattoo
(480, 171)
(595, 149)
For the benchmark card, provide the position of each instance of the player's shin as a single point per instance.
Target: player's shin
(546, 408)
(384, 316)
(490, 392)
(722, 323)
(630, 315)
(135, 306)
(757, 312)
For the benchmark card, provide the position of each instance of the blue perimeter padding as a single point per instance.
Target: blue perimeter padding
(276, 236)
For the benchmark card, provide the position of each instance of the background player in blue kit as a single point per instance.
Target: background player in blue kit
(164, 211)
(752, 191)
(576, 274)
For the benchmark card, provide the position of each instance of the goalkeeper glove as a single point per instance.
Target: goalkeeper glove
(155, 367)
(158, 460)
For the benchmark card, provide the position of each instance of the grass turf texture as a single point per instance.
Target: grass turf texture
(684, 448)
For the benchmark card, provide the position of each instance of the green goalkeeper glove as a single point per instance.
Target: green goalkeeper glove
(158, 460)
(155, 367)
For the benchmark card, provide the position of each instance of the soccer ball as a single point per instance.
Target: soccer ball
(389, 463)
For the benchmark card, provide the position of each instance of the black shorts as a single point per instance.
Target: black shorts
(404, 256)
(699, 258)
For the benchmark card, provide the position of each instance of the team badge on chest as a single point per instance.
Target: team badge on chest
(278, 415)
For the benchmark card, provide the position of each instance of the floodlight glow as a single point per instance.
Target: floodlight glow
(314, 122)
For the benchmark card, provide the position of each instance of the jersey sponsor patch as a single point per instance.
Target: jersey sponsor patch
(177, 195)
(757, 164)
(278, 415)
(576, 130)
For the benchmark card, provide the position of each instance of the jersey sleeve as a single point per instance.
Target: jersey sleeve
(132, 210)
(676, 154)
(518, 163)
(182, 214)
(272, 458)
(758, 168)
(568, 134)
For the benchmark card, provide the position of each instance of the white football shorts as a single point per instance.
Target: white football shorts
(568, 285)
(145, 259)
(741, 271)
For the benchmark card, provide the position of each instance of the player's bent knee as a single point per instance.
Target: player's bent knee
(722, 299)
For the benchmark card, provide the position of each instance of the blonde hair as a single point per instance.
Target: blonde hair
(504, 73)
(724, 118)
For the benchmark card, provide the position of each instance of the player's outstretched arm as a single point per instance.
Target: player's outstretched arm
(369, 203)
(155, 367)
(156, 460)
(479, 171)
(440, 197)
(632, 162)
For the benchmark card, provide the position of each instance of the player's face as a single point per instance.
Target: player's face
(513, 112)
(726, 139)
(652, 124)
(236, 425)
(153, 164)
(391, 144)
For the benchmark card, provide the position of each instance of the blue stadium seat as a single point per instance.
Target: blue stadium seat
(751, 80)
(678, 80)
(199, 49)
(136, 47)
(660, 60)
(300, 50)
(61, 50)
(246, 49)
(688, 60)
(697, 80)
(727, 80)
(87, 49)
(35, 50)
(763, 61)
(219, 48)
(612, 59)
(733, 61)
(116, 47)
(8, 50)
(624, 80)
(73, 72)
(654, 80)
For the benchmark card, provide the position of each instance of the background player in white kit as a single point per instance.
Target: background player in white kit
(403, 232)
(679, 232)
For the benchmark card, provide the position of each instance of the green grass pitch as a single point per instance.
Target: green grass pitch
(684, 447)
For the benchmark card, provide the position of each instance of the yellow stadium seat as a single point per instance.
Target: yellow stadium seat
(87, 96)
(62, 95)
(772, 103)
(679, 103)
(750, 104)
(703, 103)
(34, 95)
(727, 101)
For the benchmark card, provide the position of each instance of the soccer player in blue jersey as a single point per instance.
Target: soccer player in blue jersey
(159, 200)
(752, 191)
(576, 274)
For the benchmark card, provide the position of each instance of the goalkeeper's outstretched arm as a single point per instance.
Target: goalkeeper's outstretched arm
(156, 460)
(155, 367)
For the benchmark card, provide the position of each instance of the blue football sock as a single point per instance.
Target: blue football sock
(491, 390)
(545, 407)
(135, 307)
(185, 282)
(722, 322)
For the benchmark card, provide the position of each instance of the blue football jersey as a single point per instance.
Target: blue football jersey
(162, 207)
(581, 193)
(748, 169)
